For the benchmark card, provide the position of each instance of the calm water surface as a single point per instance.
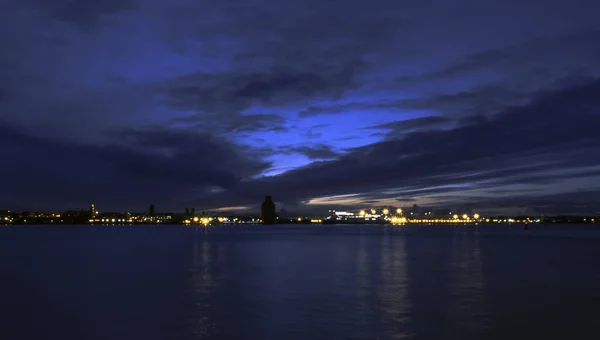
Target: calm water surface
(300, 282)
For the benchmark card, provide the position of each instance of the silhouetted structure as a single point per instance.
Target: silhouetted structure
(151, 210)
(187, 212)
(267, 211)
(92, 211)
(415, 211)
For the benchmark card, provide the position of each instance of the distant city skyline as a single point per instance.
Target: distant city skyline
(406, 210)
(214, 104)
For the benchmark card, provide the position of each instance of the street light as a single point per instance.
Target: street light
(399, 211)
(476, 216)
(386, 211)
(362, 213)
(465, 216)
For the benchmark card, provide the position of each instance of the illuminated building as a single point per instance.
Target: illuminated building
(92, 210)
(350, 217)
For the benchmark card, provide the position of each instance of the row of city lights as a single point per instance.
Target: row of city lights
(208, 220)
(386, 211)
(203, 220)
(399, 211)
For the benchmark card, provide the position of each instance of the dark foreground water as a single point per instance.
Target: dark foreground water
(300, 282)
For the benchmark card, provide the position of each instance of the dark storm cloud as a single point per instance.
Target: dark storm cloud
(486, 99)
(314, 152)
(313, 111)
(557, 130)
(481, 99)
(402, 126)
(515, 57)
(85, 14)
(291, 52)
(469, 63)
(156, 165)
(266, 87)
(221, 97)
(236, 123)
(577, 202)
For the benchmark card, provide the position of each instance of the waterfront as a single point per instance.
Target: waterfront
(300, 282)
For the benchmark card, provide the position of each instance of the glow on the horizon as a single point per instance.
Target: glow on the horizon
(349, 199)
(239, 208)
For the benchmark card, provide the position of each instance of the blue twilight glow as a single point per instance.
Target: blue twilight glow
(217, 103)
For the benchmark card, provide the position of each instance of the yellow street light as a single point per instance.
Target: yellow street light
(196, 219)
(476, 216)
(362, 213)
(455, 217)
(386, 211)
(373, 211)
(465, 216)
(399, 211)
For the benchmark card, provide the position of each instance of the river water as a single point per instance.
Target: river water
(300, 282)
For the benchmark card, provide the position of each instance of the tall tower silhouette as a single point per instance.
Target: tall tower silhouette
(267, 211)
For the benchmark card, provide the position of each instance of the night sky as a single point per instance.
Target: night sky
(322, 104)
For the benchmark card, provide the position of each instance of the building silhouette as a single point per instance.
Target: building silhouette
(267, 211)
(151, 210)
(415, 211)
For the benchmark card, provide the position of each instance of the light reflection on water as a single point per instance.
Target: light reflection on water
(203, 284)
(466, 281)
(393, 293)
(299, 282)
